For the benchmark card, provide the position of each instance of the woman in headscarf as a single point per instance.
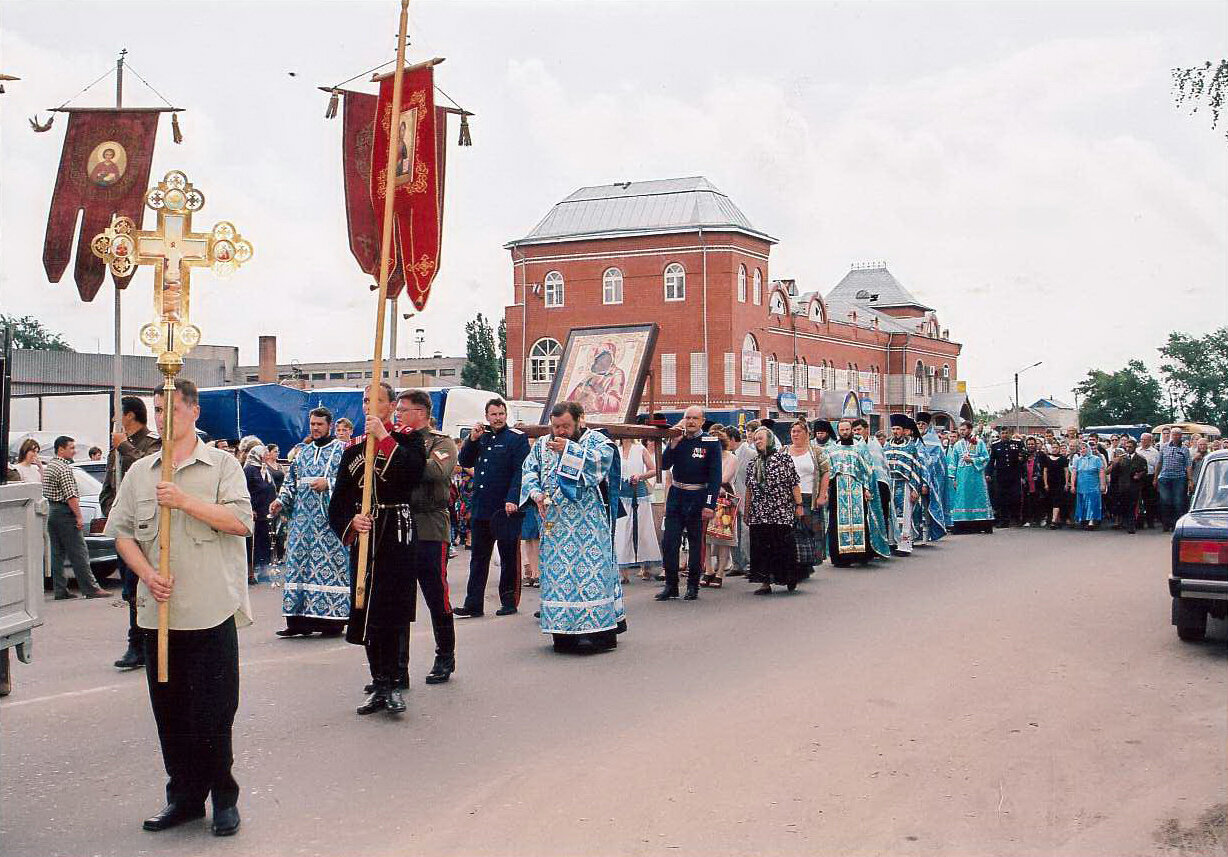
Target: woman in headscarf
(813, 472)
(263, 490)
(773, 502)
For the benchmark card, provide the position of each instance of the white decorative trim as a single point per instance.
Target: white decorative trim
(711, 248)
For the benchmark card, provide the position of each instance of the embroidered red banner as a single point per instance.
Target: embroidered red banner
(418, 182)
(358, 120)
(104, 170)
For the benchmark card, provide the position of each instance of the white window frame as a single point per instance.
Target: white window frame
(612, 286)
(784, 303)
(674, 280)
(741, 284)
(544, 360)
(918, 379)
(669, 374)
(552, 289)
(757, 292)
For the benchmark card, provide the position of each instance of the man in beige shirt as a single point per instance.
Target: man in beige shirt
(211, 516)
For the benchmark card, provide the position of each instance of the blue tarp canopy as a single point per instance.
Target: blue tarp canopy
(271, 412)
(278, 414)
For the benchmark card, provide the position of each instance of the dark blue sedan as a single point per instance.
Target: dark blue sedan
(1199, 582)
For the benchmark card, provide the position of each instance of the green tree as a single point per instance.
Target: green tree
(1128, 396)
(1196, 370)
(1202, 85)
(482, 367)
(28, 332)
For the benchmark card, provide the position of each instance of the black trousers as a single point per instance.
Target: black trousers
(484, 537)
(129, 579)
(386, 647)
(1128, 505)
(1035, 506)
(195, 712)
(683, 513)
(431, 566)
(1008, 499)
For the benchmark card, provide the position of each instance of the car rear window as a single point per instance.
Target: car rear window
(1212, 492)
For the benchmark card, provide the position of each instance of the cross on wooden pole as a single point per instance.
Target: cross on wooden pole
(173, 249)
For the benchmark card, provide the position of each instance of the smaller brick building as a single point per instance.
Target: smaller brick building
(680, 253)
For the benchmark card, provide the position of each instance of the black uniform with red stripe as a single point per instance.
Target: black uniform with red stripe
(430, 502)
(382, 624)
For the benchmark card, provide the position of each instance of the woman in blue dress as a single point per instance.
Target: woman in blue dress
(1088, 469)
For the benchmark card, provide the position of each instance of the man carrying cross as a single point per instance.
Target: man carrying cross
(206, 588)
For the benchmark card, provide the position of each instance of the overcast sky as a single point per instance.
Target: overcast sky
(1020, 166)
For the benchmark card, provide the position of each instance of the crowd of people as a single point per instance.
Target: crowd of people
(577, 512)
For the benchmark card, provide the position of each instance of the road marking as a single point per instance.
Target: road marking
(69, 694)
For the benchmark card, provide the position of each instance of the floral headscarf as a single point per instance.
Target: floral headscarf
(758, 467)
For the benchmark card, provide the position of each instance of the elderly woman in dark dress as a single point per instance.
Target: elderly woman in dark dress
(773, 501)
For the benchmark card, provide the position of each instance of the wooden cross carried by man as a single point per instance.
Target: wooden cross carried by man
(173, 249)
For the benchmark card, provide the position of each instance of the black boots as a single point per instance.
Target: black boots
(692, 588)
(131, 660)
(377, 701)
(667, 593)
(444, 666)
(394, 703)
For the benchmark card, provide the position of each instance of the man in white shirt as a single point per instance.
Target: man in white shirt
(1149, 500)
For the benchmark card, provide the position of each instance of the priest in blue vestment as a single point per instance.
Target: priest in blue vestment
(581, 596)
(317, 588)
(966, 461)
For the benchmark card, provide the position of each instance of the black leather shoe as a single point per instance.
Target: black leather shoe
(444, 666)
(172, 815)
(375, 702)
(131, 660)
(506, 611)
(666, 594)
(226, 821)
(691, 594)
(394, 702)
(463, 613)
(288, 632)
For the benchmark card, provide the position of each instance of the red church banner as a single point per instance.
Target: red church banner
(418, 181)
(104, 171)
(358, 119)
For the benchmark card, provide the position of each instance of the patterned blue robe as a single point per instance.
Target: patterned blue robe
(871, 452)
(969, 496)
(934, 457)
(317, 564)
(580, 588)
(852, 478)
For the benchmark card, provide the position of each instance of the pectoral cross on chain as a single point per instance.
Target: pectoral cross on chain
(173, 249)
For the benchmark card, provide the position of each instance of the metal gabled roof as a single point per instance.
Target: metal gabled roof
(640, 208)
(875, 287)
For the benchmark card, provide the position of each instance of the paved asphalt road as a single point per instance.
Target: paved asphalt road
(1022, 693)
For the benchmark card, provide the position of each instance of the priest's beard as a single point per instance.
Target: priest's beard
(846, 441)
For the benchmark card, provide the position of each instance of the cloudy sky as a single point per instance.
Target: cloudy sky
(1020, 166)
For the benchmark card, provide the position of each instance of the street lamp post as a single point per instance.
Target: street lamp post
(1017, 374)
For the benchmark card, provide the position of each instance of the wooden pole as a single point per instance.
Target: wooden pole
(385, 268)
(169, 371)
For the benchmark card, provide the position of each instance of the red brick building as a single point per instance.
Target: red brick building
(680, 253)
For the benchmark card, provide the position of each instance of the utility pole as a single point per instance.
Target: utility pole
(1017, 374)
(117, 406)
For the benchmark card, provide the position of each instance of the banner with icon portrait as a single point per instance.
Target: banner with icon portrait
(104, 171)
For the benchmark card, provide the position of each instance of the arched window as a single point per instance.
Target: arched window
(816, 311)
(749, 343)
(946, 378)
(758, 287)
(544, 360)
(771, 371)
(612, 286)
(777, 303)
(742, 283)
(931, 375)
(554, 289)
(919, 379)
(675, 282)
(824, 369)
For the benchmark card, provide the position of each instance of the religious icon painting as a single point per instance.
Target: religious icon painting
(103, 173)
(406, 144)
(603, 369)
(107, 163)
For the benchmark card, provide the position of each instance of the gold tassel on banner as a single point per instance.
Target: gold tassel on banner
(333, 101)
(175, 132)
(465, 139)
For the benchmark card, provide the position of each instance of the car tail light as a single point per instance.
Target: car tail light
(1203, 552)
(97, 525)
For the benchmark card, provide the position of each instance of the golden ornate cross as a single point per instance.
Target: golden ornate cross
(173, 249)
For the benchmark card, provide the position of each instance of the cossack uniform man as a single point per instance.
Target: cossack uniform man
(694, 457)
(496, 452)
